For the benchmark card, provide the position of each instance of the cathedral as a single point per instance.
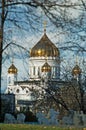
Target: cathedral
(44, 67)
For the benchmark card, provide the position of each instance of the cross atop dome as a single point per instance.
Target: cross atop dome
(76, 60)
(12, 69)
(45, 24)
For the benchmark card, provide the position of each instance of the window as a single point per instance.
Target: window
(34, 70)
(17, 90)
(26, 91)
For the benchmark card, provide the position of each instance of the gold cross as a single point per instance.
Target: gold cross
(77, 60)
(45, 23)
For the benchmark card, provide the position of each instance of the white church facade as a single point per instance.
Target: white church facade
(44, 65)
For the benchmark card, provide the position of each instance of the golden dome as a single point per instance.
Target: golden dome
(76, 70)
(12, 69)
(46, 68)
(44, 48)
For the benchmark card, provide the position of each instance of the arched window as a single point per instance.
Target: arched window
(26, 91)
(17, 90)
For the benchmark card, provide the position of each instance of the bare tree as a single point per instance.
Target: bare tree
(59, 13)
(20, 13)
(64, 96)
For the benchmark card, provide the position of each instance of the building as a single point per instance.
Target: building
(44, 67)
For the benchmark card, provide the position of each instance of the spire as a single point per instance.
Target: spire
(77, 60)
(45, 23)
(12, 59)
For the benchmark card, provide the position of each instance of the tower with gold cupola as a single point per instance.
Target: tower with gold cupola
(44, 57)
(12, 75)
(76, 71)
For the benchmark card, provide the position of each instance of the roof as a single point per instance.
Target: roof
(46, 67)
(44, 48)
(76, 70)
(12, 69)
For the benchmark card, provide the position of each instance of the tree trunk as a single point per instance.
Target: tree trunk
(1, 42)
(82, 105)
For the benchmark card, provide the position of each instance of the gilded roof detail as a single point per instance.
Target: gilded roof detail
(44, 48)
(12, 69)
(46, 68)
(76, 70)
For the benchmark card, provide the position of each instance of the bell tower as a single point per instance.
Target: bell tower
(76, 71)
(12, 75)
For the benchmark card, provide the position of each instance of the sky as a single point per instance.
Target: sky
(30, 36)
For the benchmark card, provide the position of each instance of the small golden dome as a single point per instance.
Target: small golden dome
(76, 70)
(12, 69)
(44, 48)
(46, 68)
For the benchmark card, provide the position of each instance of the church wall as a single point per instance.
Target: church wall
(35, 65)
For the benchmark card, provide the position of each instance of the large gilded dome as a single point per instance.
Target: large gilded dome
(44, 48)
(12, 69)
